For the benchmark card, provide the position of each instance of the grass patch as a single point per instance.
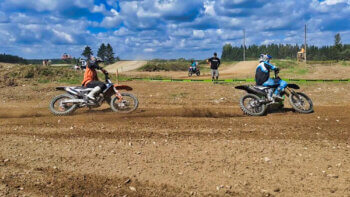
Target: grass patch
(166, 65)
(325, 63)
(286, 64)
(45, 74)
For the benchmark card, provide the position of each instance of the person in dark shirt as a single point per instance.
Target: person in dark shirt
(262, 76)
(214, 65)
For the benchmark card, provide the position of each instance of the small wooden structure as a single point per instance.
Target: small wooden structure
(301, 55)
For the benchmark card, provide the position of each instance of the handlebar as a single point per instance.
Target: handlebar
(277, 71)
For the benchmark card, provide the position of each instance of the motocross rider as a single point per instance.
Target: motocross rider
(262, 76)
(193, 66)
(91, 78)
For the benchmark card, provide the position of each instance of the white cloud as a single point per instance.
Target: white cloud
(64, 36)
(333, 2)
(148, 50)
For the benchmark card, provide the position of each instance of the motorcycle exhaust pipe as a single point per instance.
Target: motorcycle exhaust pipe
(74, 101)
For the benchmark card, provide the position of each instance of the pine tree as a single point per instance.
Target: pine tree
(87, 52)
(102, 52)
(109, 54)
(337, 46)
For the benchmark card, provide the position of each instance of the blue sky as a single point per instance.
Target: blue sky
(146, 29)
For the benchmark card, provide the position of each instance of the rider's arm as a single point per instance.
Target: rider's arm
(272, 67)
(94, 65)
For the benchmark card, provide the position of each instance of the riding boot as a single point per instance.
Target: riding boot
(94, 91)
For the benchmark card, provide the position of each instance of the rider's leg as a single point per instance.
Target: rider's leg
(98, 87)
(270, 82)
(217, 74)
(279, 89)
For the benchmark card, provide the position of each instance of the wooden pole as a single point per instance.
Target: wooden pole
(117, 76)
(243, 44)
(305, 45)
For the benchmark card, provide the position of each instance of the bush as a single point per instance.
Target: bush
(46, 74)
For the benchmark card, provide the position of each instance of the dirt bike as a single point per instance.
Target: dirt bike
(76, 97)
(259, 98)
(191, 71)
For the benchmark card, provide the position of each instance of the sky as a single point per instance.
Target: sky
(167, 29)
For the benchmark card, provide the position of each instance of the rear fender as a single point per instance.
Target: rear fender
(61, 88)
(293, 86)
(250, 90)
(123, 87)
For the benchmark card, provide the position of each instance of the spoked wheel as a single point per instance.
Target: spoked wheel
(198, 73)
(250, 105)
(59, 108)
(301, 103)
(128, 104)
(190, 74)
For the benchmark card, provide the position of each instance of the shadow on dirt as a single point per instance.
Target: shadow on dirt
(182, 112)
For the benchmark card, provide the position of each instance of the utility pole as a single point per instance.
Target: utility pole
(243, 44)
(305, 45)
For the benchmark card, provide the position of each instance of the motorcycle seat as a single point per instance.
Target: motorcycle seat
(261, 87)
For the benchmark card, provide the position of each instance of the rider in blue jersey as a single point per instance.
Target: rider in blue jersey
(193, 66)
(262, 76)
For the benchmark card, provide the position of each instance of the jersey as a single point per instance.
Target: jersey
(262, 73)
(214, 62)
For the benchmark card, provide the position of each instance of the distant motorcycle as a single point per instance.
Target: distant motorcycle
(192, 71)
(259, 98)
(76, 97)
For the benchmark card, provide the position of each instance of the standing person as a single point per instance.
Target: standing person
(214, 65)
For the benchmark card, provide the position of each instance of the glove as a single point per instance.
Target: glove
(277, 70)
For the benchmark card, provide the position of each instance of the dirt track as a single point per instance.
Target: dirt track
(186, 139)
(124, 66)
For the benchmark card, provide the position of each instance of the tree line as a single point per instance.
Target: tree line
(338, 51)
(105, 52)
(6, 58)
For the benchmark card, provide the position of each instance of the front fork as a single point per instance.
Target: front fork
(118, 95)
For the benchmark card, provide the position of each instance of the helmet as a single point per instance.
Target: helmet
(98, 59)
(265, 58)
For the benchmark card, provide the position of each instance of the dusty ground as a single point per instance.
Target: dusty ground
(185, 139)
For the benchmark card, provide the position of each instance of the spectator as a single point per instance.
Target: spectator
(214, 65)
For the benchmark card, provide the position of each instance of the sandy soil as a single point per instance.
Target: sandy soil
(123, 66)
(186, 139)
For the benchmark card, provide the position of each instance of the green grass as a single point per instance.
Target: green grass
(46, 74)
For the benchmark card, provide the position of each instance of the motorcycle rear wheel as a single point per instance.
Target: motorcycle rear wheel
(301, 103)
(250, 105)
(129, 103)
(62, 109)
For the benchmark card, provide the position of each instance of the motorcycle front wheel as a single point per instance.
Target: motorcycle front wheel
(62, 109)
(251, 106)
(301, 103)
(128, 104)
